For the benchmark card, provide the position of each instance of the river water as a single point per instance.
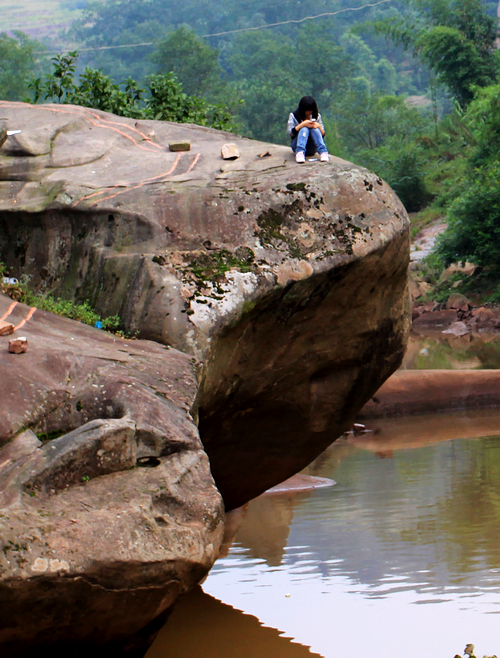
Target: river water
(437, 350)
(399, 559)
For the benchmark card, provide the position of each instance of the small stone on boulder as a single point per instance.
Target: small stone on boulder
(230, 152)
(6, 328)
(358, 428)
(184, 145)
(18, 345)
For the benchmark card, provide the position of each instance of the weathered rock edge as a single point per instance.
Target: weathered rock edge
(102, 528)
(287, 282)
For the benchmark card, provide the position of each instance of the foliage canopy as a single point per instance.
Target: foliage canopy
(163, 99)
(18, 62)
(474, 217)
(455, 38)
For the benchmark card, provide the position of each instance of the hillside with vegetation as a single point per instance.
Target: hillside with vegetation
(407, 88)
(40, 19)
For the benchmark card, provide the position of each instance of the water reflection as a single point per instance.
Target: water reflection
(392, 434)
(435, 350)
(267, 526)
(400, 559)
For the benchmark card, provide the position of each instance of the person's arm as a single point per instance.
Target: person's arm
(292, 126)
(319, 125)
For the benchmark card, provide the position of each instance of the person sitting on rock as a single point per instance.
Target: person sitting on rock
(307, 131)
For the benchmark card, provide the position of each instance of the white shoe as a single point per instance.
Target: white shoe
(324, 157)
(300, 157)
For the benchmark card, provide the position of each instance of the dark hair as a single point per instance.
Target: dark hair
(307, 103)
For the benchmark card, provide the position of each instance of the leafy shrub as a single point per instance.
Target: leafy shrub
(405, 174)
(163, 100)
(474, 216)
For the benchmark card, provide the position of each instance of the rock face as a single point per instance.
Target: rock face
(102, 528)
(283, 286)
(3, 134)
(287, 282)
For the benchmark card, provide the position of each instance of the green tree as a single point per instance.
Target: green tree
(473, 231)
(18, 62)
(168, 102)
(455, 38)
(193, 61)
(134, 61)
(385, 77)
(457, 61)
(262, 74)
(381, 132)
(321, 66)
(59, 84)
(403, 166)
(265, 109)
(367, 120)
(163, 100)
(261, 55)
(95, 89)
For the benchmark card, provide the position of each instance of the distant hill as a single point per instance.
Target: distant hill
(39, 19)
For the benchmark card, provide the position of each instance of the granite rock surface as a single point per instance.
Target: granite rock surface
(108, 510)
(271, 303)
(287, 282)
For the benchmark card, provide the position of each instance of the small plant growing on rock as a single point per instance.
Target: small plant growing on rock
(83, 312)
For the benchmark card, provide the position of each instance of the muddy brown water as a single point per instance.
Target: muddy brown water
(400, 559)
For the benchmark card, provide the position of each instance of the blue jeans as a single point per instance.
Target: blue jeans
(309, 140)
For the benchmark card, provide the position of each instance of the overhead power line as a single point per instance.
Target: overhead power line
(220, 34)
(299, 20)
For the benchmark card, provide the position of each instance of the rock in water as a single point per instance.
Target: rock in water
(288, 284)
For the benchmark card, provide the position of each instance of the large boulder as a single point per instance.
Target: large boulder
(108, 510)
(282, 286)
(287, 282)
